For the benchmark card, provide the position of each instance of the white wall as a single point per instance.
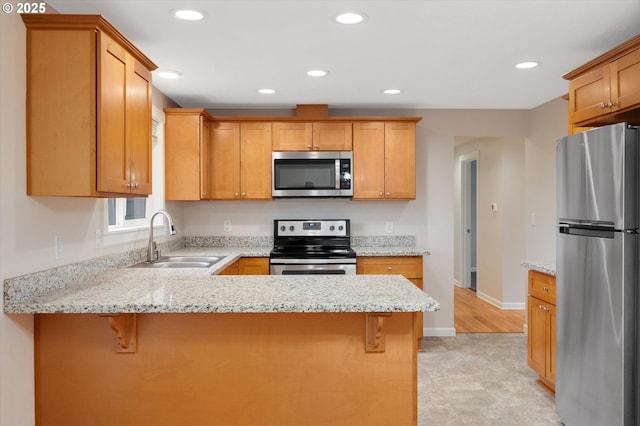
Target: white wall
(540, 167)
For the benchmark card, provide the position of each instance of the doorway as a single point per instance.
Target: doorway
(469, 206)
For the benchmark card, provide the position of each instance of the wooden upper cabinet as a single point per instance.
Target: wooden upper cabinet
(240, 164)
(88, 109)
(607, 89)
(316, 136)
(384, 156)
(255, 161)
(187, 159)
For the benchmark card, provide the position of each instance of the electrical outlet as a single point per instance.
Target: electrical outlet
(388, 227)
(59, 247)
(227, 226)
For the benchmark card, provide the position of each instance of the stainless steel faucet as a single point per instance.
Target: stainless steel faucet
(152, 250)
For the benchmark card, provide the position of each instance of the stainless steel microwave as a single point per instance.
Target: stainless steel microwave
(312, 174)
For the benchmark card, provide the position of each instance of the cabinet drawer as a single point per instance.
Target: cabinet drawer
(409, 266)
(542, 286)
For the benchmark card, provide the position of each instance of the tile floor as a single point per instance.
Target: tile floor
(480, 380)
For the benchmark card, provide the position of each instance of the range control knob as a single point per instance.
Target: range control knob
(331, 228)
(340, 228)
(291, 228)
(282, 228)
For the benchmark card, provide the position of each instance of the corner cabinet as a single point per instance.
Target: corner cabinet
(186, 147)
(607, 89)
(88, 109)
(408, 266)
(384, 156)
(541, 354)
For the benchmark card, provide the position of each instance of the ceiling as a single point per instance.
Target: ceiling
(439, 53)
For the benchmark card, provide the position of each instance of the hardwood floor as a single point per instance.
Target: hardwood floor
(474, 315)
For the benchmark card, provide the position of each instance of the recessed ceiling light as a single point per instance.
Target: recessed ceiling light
(188, 15)
(266, 91)
(168, 74)
(391, 91)
(350, 18)
(317, 73)
(527, 64)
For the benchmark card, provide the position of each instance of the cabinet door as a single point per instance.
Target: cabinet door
(139, 127)
(588, 95)
(292, 136)
(225, 161)
(182, 156)
(112, 172)
(253, 266)
(400, 161)
(332, 136)
(368, 160)
(255, 161)
(537, 335)
(550, 371)
(625, 81)
(204, 159)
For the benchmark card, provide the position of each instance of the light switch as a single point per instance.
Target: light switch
(227, 226)
(388, 227)
(494, 207)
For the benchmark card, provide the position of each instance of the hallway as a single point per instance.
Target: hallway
(474, 315)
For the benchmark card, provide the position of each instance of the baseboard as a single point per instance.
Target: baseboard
(457, 283)
(439, 332)
(498, 304)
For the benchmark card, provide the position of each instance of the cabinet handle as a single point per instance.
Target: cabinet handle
(543, 308)
(545, 288)
(612, 104)
(136, 185)
(603, 105)
(129, 185)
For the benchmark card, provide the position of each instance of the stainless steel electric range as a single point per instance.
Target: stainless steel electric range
(312, 247)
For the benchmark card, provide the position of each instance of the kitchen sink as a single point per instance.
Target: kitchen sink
(181, 262)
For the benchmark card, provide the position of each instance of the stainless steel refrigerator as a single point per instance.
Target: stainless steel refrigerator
(597, 277)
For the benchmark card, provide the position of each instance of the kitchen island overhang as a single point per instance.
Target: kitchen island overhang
(201, 349)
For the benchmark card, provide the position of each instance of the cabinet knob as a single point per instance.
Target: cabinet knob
(543, 308)
(244, 194)
(545, 288)
(612, 104)
(316, 146)
(235, 194)
(309, 146)
(389, 268)
(603, 105)
(388, 194)
(381, 194)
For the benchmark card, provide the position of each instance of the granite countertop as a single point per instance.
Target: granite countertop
(546, 267)
(390, 251)
(199, 290)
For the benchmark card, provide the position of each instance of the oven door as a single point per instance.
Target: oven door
(313, 269)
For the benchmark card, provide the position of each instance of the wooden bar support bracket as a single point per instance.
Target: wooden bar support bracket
(374, 331)
(126, 328)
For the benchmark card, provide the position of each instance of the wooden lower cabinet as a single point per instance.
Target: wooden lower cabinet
(248, 266)
(408, 266)
(284, 369)
(541, 354)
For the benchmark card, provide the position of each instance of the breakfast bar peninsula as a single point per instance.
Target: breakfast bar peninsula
(184, 347)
